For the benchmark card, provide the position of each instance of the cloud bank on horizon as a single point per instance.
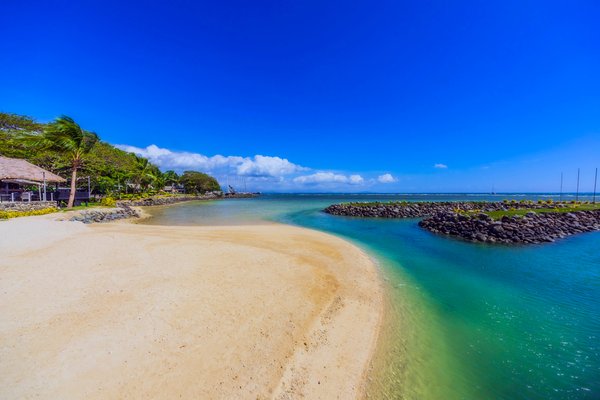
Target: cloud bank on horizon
(265, 173)
(539, 171)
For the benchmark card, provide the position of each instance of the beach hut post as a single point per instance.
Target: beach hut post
(44, 177)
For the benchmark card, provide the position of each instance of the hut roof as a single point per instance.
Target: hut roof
(15, 168)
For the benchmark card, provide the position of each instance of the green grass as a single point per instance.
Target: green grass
(566, 207)
(376, 204)
(393, 203)
(83, 207)
(570, 208)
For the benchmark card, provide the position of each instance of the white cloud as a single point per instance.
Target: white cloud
(257, 166)
(329, 177)
(386, 178)
(440, 166)
(267, 166)
(258, 172)
(356, 179)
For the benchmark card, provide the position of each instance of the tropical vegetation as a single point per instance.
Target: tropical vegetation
(65, 137)
(63, 147)
(198, 182)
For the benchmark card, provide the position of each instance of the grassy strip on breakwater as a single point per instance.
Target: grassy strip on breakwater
(564, 209)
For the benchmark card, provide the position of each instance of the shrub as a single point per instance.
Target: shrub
(16, 214)
(108, 202)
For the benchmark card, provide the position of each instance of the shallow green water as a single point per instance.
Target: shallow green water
(468, 321)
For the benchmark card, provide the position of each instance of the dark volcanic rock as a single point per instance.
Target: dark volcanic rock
(532, 228)
(467, 220)
(424, 209)
(105, 215)
(163, 201)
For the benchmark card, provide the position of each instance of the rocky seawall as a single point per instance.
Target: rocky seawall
(105, 215)
(469, 221)
(163, 201)
(419, 209)
(530, 228)
(24, 206)
(125, 208)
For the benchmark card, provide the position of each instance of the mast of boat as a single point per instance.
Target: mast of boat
(577, 193)
(561, 186)
(595, 182)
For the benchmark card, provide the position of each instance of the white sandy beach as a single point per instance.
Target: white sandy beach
(137, 311)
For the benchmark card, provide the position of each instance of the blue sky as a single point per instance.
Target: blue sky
(388, 96)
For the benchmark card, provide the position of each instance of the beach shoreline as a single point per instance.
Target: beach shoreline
(124, 309)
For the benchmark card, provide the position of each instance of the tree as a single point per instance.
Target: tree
(198, 182)
(11, 127)
(171, 177)
(15, 122)
(66, 137)
(109, 168)
(146, 173)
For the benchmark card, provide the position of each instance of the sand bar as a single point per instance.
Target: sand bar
(138, 311)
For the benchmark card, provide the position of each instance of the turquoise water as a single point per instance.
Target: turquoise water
(466, 321)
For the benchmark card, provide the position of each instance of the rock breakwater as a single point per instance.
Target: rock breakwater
(530, 228)
(545, 221)
(418, 209)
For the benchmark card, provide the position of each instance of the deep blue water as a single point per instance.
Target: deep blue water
(466, 321)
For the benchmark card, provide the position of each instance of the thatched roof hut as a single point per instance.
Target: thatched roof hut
(21, 171)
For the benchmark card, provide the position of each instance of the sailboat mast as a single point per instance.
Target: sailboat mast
(561, 186)
(595, 182)
(577, 194)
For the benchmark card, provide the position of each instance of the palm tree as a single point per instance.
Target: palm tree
(66, 137)
(171, 177)
(145, 174)
(122, 178)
